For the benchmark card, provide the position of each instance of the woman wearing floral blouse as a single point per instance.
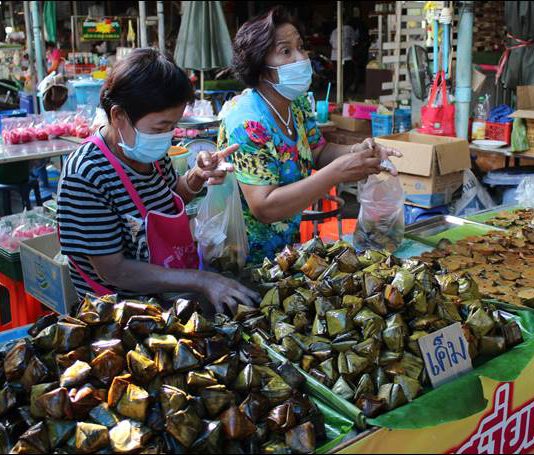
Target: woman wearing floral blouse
(279, 141)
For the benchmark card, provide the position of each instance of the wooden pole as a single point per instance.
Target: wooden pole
(339, 85)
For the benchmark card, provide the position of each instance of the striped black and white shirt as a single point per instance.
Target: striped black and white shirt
(96, 215)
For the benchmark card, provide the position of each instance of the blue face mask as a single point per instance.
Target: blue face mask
(147, 148)
(294, 79)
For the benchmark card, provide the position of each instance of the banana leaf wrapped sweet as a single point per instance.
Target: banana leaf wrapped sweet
(349, 363)
(104, 415)
(185, 357)
(314, 267)
(411, 387)
(224, 369)
(17, 359)
(287, 258)
(34, 373)
(291, 375)
(69, 334)
(369, 348)
(44, 340)
(371, 406)
(55, 404)
(282, 418)
(480, 322)
(236, 425)
(377, 304)
(394, 333)
(255, 406)
(364, 387)
(141, 367)
(34, 440)
(404, 281)
(492, 345)
(276, 390)
(134, 403)
(338, 322)
(128, 436)
(393, 395)
(59, 431)
(393, 297)
(82, 400)
(371, 323)
(301, 439)
(90, 437)
(94, 310)
(210, 438)
(342, 389)
(512, 334)
(314, 246)
(328, 367)
(8, 399)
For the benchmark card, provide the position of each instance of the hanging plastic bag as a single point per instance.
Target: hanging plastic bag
(437, 116)
(381, 218)
(525, 193)
(519, 136)
(474, 197)
(220, 228)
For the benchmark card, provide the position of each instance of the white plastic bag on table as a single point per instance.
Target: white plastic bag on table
(220, 228)
(474, 197)
(381, 218)
(525, 192)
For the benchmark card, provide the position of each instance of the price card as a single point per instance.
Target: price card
(446, 354)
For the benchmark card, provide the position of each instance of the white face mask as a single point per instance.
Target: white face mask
(147, 148)
(294, 79)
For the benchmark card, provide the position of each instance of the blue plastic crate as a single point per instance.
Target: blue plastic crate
(381, 124)
(26, 102)
(87, 92)
(403, 120)
(11, 113)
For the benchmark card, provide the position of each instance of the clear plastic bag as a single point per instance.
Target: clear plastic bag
(220, 228)
(525, 192)
(381, 218)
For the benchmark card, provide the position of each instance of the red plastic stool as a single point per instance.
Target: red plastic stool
(17, 303)
(34, 309)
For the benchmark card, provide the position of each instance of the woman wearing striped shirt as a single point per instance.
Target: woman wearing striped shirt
(121, 213)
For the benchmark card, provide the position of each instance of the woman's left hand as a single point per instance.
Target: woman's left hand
(212, 167)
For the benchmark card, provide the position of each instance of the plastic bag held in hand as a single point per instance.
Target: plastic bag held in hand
(381, 218)
(220, 228)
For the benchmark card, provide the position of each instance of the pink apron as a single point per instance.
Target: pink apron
(169, 239)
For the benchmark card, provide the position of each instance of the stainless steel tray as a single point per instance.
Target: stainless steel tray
(441, 223)
(198, 123)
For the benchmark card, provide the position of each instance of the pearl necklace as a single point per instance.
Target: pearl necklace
(284, 122)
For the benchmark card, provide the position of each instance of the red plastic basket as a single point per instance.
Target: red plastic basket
(499, 131)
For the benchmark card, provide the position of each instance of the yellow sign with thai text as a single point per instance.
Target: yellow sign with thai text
(505, 426)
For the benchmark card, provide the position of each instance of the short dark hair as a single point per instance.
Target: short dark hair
(252, 44)
(145, 81)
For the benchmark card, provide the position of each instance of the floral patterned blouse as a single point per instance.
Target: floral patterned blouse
(266, 156)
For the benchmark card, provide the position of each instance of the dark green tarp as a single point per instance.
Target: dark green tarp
(519, 19)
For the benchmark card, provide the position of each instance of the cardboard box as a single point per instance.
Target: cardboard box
(525, 97)
(431, 168)
(351, 124)
(45, 279)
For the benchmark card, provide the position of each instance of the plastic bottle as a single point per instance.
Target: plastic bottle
(311, 99)
(478, 130)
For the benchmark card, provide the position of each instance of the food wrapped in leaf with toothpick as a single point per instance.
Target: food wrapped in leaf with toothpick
(361, 316)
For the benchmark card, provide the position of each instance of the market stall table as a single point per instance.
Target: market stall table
(35, 150)
(506, 152)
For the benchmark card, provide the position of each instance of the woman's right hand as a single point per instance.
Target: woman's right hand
(223, 292)
(353, 167)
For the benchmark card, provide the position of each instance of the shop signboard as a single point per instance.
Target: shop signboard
(505, 425)
(103, 29)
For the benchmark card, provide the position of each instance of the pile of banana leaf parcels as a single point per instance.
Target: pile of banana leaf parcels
(131, 377)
